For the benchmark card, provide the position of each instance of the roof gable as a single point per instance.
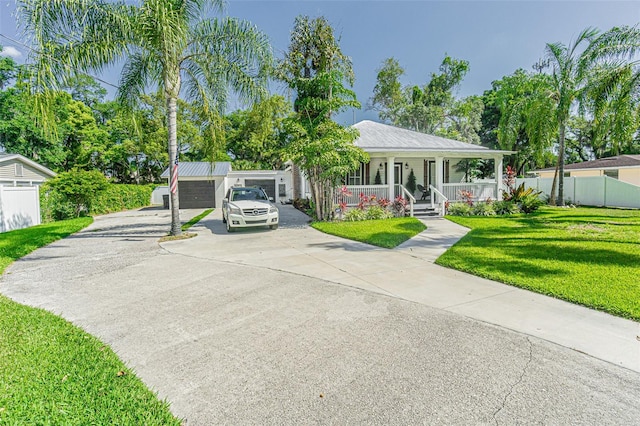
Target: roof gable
(4, 157)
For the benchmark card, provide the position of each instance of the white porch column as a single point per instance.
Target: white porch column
(498, 165)
(390, 175)
(439, 175)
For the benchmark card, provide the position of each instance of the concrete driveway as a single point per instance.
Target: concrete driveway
(231, 333)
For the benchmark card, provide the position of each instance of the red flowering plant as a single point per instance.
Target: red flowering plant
(343, 195)
(467, 196)
(399, 206)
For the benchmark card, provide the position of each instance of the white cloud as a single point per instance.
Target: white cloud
(10, 51)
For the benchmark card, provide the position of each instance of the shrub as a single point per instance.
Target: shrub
(377, 180)
(377, 212)
(355, 215)
(483, 209)
(411, 183)
(459, 209)
(399, 207)
(73, 193)
(530, 203)
(505, 207)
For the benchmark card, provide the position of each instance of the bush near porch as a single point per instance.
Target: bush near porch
(588, 256)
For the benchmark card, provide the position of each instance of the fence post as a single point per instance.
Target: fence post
(605, 191)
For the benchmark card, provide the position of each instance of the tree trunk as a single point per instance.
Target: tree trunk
(172, 124)
(561, 166)
(552, 196)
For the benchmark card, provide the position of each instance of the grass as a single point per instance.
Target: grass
(196, 219)
(52, 372)
(387, 233)
(587, 256)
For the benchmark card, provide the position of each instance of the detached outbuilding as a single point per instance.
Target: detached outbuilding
(20, 181)
(201, 185)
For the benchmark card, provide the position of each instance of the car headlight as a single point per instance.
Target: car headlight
(273, 209)
(234, 209)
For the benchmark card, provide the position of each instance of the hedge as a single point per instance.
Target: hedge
(118, 197)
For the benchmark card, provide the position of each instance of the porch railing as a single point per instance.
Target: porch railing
(479, 190)
(380, 191)
(442, 200)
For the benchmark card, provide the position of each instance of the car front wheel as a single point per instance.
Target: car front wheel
(273, 226)
(229, 227)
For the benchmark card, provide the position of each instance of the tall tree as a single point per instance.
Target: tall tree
(430, 109)
(587, 68)
(525, 103)
(165, 43)
(316, 68)
(256, 138)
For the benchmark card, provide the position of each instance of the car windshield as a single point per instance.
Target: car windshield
(248, 194)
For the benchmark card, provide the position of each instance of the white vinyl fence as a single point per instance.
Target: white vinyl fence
(19, 207)
(591, 191)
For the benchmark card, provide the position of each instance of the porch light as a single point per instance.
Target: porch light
(406, 166)
(380, 166)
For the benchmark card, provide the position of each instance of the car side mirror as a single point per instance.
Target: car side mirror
(271, 199)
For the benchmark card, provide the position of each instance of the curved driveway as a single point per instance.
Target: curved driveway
(238, 329)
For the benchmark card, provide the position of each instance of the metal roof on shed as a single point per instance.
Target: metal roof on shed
(200, 169)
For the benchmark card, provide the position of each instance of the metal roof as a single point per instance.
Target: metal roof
(602, 163)
(200, 169)
(378, 137)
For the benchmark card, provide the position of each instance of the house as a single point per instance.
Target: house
(625, 168)
(204, 184)
(20, 179)
(394, 152)
(17, 170)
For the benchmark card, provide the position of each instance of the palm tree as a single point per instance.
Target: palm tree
(580, 73)
(166, 44)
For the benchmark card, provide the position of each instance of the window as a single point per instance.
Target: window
(19, 169)
(611, 173)
(355, 177)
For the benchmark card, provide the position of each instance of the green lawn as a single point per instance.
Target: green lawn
(196, 219)
(52, 372)
(587, 256)
(387, 233)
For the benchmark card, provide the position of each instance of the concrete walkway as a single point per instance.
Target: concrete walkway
(408, 273)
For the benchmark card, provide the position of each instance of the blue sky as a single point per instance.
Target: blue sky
(496, 37)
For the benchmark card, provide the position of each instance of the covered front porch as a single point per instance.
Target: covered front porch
(438, 179)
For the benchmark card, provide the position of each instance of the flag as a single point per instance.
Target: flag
(174, 177)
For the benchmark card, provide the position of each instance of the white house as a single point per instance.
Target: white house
(394, 152)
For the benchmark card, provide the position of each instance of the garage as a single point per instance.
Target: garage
(269, 185)
(199, 194)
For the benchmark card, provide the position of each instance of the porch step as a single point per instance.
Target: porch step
(425, 210)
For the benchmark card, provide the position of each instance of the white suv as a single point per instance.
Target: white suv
(246, 207)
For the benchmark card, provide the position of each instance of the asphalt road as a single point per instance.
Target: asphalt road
(227, 343)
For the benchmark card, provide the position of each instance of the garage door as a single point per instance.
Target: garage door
(269, 185)
(197, 194)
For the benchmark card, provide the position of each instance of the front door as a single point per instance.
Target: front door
(397, 177)
(432, 173)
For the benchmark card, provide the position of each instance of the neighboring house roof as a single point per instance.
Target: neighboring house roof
(8, 157)
(200, 169)
(378, 137)
(619, 161)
